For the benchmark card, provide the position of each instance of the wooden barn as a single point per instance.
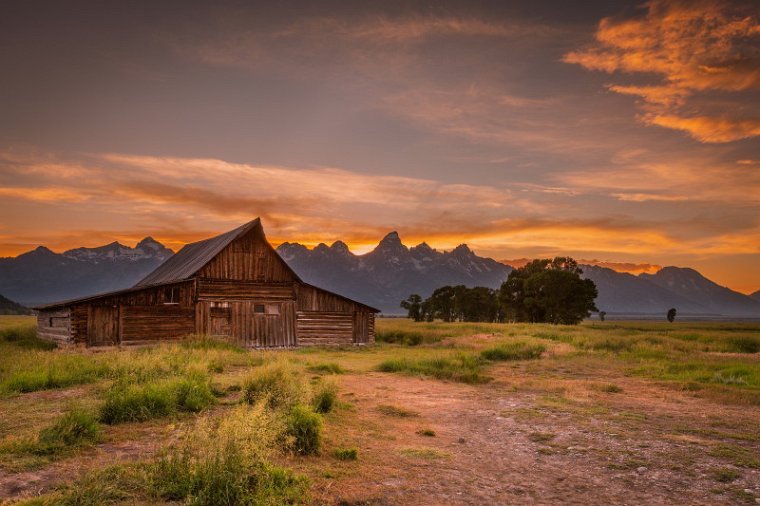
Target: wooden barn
(233, 286)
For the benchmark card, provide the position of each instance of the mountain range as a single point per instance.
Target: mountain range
(41, 275)
(381, 278)
(391, 272)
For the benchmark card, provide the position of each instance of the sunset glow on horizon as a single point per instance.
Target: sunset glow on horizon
(621, 134)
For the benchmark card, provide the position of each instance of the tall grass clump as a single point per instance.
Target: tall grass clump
(325, 397)
(217, 462)
(513, 351)
(304, 427)
(132, 402)
(76, 427)
(279, 383)
(326, 368)
(227, 462)
(346, 453)
(464, 368)
(399, 336)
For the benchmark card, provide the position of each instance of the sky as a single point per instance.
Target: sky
(622, 132)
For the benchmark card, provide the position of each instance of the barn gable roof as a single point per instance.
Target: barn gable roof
(193, 257)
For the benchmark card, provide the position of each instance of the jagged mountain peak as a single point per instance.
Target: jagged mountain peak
(150, 242)
(391, 236)
(390, 244)
(41, 250)
(463, 250)
(340, 247)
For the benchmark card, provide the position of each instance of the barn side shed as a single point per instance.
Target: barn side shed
(233, 286)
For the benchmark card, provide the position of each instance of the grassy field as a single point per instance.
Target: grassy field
(433, 413)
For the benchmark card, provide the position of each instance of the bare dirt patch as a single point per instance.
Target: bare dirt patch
(485, 449)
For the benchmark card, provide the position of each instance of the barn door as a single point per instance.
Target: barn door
(103, 326)
(220, 322)
(268, 328)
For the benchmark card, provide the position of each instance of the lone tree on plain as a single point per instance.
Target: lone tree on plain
(548, 291)
(671, 314)
(413, 306)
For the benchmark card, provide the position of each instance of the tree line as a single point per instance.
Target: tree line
(542, 291)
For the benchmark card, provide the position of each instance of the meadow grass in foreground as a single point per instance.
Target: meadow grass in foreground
(281, 402)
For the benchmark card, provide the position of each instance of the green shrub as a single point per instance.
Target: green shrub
(725, 475)
(327, 368)
(305, 427)
(426, 432)
(541, 437)
(405, 337)
(743, 344)
(129, 402)
(346, 453)
(76, 427)
(513, 351)
(279, 383)
(193, 394)
(463, 368)
(135, 403)
(325, 397)
(389, 410)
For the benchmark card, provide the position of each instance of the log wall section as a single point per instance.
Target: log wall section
(136, 317)
(324, 318)
(55, 325)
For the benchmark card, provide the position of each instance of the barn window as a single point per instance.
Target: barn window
(171, 295)
(258, 308)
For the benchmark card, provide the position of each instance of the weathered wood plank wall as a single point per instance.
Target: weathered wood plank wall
(55, 325)
(141, 324)
(324, 328)
(248, 258)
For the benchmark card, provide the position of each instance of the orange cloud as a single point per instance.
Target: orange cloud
(695, 48)
(707, 129)
(644, 197)
(44, 194)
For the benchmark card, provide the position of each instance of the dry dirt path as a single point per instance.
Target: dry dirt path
(499, 446)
